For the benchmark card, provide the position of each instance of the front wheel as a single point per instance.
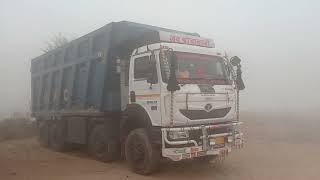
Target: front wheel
(142, 155)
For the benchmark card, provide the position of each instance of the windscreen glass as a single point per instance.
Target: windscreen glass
(198, 68)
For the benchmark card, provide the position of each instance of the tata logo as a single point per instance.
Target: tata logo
(208, 107)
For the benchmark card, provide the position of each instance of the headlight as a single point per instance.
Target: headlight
(178, 134)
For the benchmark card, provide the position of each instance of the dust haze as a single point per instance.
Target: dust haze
(278, 42)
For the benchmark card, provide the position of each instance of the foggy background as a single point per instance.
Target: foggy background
(278, 42)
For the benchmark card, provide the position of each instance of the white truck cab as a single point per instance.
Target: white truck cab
(200, 117)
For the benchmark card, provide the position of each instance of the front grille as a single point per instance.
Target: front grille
(202, 114)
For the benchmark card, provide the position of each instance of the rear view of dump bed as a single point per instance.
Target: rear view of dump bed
(81, 77)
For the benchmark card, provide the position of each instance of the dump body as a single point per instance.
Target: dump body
(81, 76)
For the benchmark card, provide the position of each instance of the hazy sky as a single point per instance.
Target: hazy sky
(277, 40)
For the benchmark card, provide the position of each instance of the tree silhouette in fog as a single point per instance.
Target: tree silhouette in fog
(58, 40)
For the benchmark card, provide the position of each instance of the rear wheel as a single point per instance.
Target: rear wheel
(142, 156)
(43, 133)
(57, 136)
(103, 144)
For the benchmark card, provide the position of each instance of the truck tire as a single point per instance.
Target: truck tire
(43, 133)
(142, 155)
(103, 145)
(57, 136)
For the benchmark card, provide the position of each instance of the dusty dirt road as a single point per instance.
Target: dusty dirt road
(277, 147)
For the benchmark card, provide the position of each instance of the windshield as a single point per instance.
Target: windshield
(198, 68)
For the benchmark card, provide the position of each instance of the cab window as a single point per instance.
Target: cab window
(141, 67)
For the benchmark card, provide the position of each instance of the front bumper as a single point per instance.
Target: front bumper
(177, 150)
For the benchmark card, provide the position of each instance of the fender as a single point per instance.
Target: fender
(136, 117)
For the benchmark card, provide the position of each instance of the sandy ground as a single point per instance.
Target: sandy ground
(277, 147)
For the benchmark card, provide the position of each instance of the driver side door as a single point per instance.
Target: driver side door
(146, 94)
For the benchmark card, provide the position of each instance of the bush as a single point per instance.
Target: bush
(17, 128)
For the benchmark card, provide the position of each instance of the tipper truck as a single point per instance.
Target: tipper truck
(140, 93)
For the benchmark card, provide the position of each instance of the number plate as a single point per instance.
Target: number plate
(218, 140)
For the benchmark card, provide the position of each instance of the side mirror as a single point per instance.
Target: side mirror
(152, 77)
(235, 61)
(173, 84)
(239, 81)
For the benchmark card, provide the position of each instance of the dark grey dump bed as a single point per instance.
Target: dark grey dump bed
(81, 77)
